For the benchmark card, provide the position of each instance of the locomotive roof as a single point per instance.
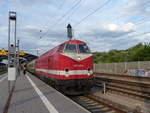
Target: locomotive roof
(70, 41)
(75, 41)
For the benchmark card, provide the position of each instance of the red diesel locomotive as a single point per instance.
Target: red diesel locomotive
(69, 66)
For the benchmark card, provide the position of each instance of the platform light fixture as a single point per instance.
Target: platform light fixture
(12, 15)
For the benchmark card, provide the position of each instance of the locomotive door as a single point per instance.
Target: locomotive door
(48, 65)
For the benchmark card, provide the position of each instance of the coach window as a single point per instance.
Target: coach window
(70, 48)
(83, 48)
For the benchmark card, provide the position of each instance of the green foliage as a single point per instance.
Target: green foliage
(139, 52)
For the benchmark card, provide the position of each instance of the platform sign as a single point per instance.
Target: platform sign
(21, 53)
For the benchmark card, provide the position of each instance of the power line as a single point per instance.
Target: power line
(65, 14)
(84, 18)
(69, 11)
(142, 33)
(73, 12)
(62, 4)
(139, 22)
(54, 16)
(131, 40)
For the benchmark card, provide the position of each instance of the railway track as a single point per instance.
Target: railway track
(95, 104)
(137, 79)
(2, 71)
(134, 90)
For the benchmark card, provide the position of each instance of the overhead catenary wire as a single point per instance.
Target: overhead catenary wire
(97, 9)
(81, 19)
(59, 8)
(69, 17)
(54, 16)
(90, 15)
(62, 17)
(132, 40)
(62, 4)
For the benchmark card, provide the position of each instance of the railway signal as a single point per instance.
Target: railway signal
(69, 32)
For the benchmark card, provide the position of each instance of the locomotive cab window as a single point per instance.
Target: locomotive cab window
(83, 48)
(70, 48)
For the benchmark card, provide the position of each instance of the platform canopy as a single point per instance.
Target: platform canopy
(23, 55)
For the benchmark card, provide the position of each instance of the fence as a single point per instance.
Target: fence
(140, 68)
(3, 68)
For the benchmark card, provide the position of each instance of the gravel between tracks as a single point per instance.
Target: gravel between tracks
(125, 101)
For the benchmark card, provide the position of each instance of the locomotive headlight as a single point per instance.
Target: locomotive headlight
(66, 73)
(79, 58)
(89, 72)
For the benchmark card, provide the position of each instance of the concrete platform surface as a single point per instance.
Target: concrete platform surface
(3, 91)
(32, 95)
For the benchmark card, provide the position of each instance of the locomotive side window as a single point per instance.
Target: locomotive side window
(83, 48)
(70, 48)
(61, 47)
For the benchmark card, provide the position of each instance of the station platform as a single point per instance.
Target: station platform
(31, 95)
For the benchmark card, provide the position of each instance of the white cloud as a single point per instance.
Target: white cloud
(137, 7)
(100, 46)
(112, 27)
(101, 30)
(47, 43)
(143, 38)
(128, 27)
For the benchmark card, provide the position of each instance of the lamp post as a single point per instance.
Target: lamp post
(12, 17)
(12, 54)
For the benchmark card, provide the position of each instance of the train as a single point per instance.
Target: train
(68, 67)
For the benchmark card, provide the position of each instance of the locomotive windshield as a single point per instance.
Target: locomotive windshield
(70, 48)
(83, 48)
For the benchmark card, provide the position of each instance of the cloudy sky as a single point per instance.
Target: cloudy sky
(103, 24)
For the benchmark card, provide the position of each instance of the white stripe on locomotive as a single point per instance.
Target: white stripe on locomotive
(70, 72)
